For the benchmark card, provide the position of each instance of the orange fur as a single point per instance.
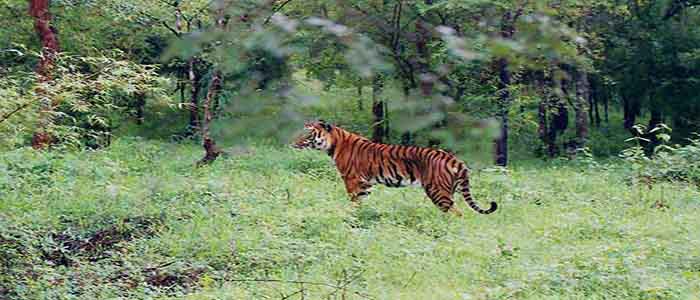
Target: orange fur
(363, 163)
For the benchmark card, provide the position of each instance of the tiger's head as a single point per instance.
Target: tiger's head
(317, 136)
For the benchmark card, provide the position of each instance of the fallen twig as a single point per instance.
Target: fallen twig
(337, 287)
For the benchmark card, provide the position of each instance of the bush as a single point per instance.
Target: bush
(88, 96)
(672, 163)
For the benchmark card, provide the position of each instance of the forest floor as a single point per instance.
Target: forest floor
(138, 221)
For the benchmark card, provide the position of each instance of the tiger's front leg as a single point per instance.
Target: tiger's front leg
(357, 189)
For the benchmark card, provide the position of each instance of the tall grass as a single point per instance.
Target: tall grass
(139, 221)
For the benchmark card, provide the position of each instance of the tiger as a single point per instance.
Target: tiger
(363, 163)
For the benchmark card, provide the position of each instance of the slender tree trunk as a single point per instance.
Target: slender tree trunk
(379, 129)
(426, 76)
(606, 100)
(427, 80)
(542, 109)
(39, 10)
(597, 93)
(359, 98)
(407, 136)
(581, 108)
(655, 119)
(191, 75)
(140, 104)
(194, 78)
(630, 113)
(211, 150)
(501, 143)
(504, 98)
(596, 107)
(626, 115)
(542, 122)
(559, 119)
(591, 105)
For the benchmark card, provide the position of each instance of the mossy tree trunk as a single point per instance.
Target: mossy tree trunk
(39, 10)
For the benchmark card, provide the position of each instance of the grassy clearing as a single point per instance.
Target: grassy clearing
(138, 221)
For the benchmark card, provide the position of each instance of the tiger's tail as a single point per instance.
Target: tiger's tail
(464, 188)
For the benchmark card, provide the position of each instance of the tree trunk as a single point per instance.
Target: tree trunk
(606, 99)
(655, 119)
(504, 98)
(39, 10)
(540, 79)
(630, 110)
(591, 105)
(193, 77)
(426, 77)
(427, 80)
(210, 148)
(559, 119)
(559, 123)
(596, 107)
(597, 93)
(581, 108)
(542, 122)
(359, 98)
(501, 143)
(140, 104)
(379, 129)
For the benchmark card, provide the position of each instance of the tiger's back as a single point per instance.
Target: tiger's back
(397, 165)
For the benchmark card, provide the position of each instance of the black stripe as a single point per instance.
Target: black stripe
(381, 171)
(392, 169)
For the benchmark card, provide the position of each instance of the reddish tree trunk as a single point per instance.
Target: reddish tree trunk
(39, 10)
(210, 148)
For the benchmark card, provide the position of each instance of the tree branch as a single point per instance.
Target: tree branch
(275, 10)
(677, 6)
(16, 110)
(165, 24)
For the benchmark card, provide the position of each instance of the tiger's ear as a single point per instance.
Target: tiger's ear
(325, 125)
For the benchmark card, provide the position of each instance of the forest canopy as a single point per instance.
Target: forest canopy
(554, 76)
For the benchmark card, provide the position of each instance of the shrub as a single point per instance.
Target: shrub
(673, 163)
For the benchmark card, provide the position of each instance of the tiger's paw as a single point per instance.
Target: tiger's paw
(456, 211)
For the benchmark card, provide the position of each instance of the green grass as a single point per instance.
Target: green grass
(138, 221)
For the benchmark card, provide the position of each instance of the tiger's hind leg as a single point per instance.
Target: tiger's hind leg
(442, 198)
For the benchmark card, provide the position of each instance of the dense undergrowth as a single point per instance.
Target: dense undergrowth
(138, 221)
